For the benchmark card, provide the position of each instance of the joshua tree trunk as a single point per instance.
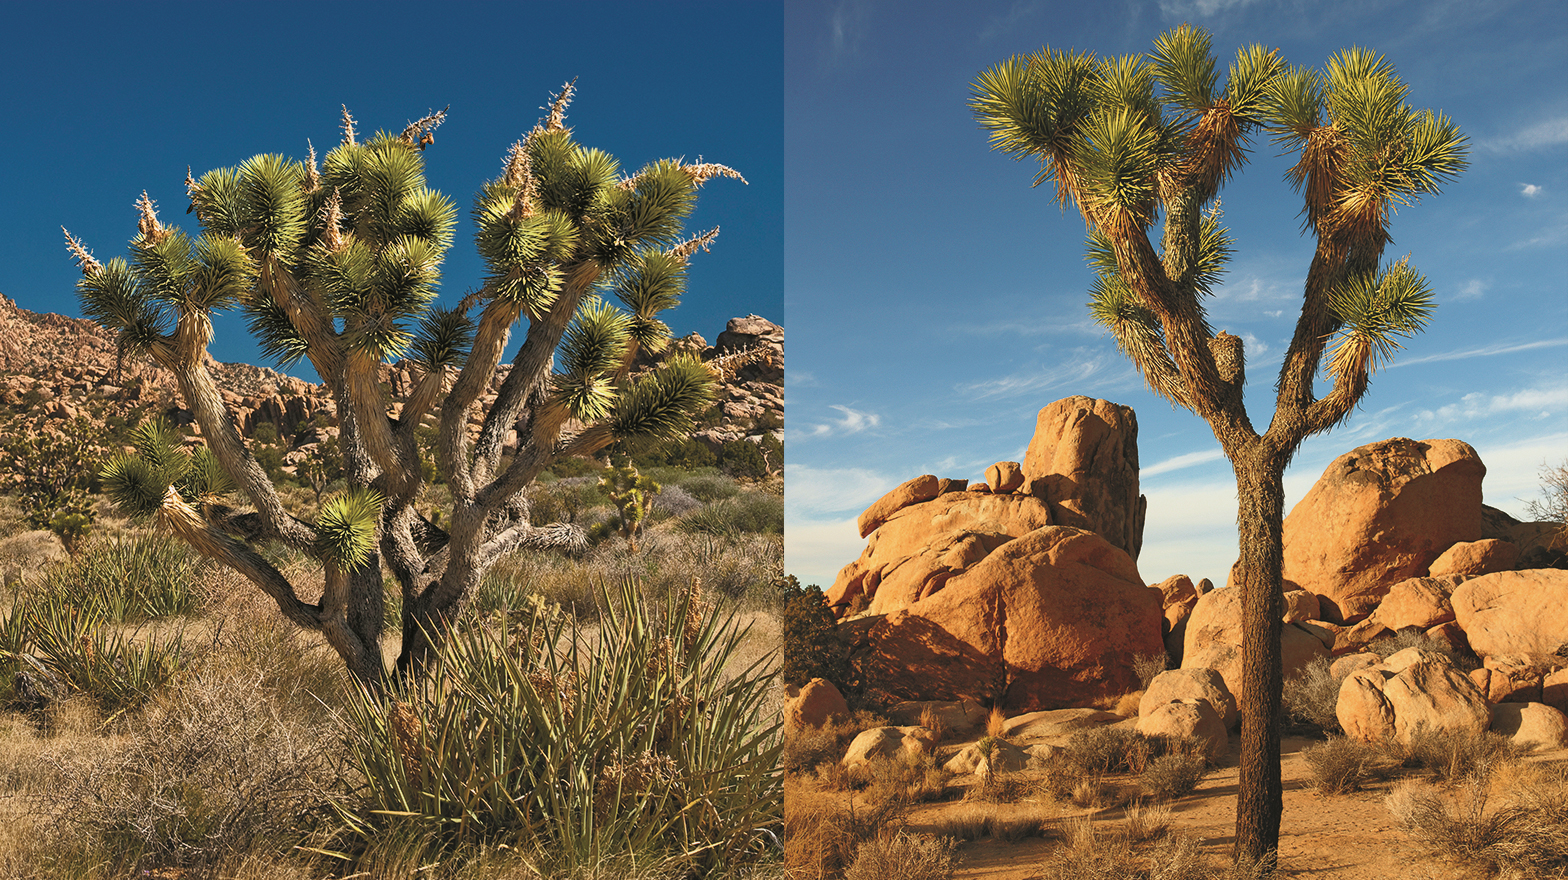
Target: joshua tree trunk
(1259, 518)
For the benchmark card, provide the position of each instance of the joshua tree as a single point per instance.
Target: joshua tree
(1136, 141)
(339, 264)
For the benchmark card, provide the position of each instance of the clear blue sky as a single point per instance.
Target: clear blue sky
(108, 99)
(936, 301)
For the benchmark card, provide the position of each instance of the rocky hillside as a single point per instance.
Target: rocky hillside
(54, 368)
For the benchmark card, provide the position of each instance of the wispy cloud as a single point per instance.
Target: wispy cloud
(853, 422)
(1483, 351)
(813, 490)
(1475, 288)
(1180, 462)
(1009, 21)
(1524, 403)
(1529, 190)
(1255, 347)
(1174, 9)
(846, 28)
(802, 379)
(1546, 133)
(1083, 365)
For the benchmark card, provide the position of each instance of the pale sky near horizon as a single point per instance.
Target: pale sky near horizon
(107, 99)
(936, 302)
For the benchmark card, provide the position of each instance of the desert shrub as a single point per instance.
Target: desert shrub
(118, 670)
(1147, 821)
(1147, 666)
(130, 579)
(903, 855)
(565, 500)
(1448, 756)
(822, 831)
(1390, 645)
(1340, 765)
(812, 645)
(1089, 853)
(673, 501)
(1312, 695)
(1102, 750)
(1527, 835)
(708, 487)
(905, 779)
(745, 513)
(210, 773)
(637, 740)
(742, 458)
(808, 748)
(1173, 775)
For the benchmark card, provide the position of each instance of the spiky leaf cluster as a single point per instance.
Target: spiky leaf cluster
(139, 481)
(346, 527)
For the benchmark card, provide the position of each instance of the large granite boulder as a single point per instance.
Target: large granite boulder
(1380, 514)
(1412, 690)
(814, 704)
(1047, 620)
(1083, 462)
(1514, 612)
(1214, 637)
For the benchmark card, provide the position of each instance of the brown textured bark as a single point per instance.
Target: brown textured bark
(1261, 495)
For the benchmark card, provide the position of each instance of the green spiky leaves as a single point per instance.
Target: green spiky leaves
(443, 339)
(1375, 313)
(590, 353)
(663, 403)
(139, 482)
(346, 528)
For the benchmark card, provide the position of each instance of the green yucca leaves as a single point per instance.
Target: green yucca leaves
(346, 527)
(1376, 311)
(1184, 62)
(113, 297)
(442, 339)
(133, 484)
(661, 403)
(140, 482)
(1250, 82)
(272, 207)
(646, 740)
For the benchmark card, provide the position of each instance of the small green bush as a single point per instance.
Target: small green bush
(130, 579)
(707, 487)
(746, 513)
(812, 646)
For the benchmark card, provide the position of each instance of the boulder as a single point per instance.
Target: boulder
(1183, 718)
(1420, 601)
(1554, 690)
(1053, 724)
(1380, 514)
(888, 743)
(1178, 595)
(1004, 476)
(1083, 462)
(1412, 690)
(1198, 683)
(1343, 666)
(1300, 606)
(918, 547)
(1531, 725)
(960, 717)
(1004, 758)
(921, 488)
(813, 705)
(1214, 641)
(1468, 559)
(1513, 680)
(1514, 612)
(1046, 620)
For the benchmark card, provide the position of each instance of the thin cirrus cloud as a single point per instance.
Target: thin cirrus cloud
(1527, 401)
(1483, 351)
(1174, 9)
(1547, 133)
(1082, 366)
(1181, 462)
(853, 422)
(1475, 288)
(814, 490)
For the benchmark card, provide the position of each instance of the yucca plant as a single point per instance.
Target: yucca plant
(129, 579)
(631, 493)
(1140, 141)
(632, 741)
(336, 261)
(114, 667)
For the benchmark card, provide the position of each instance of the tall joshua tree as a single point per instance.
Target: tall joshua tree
(1144, 141)
(339, 264)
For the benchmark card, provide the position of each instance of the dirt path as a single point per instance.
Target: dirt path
(1342, 837)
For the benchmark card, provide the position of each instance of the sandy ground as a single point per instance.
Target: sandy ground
(1340, 837)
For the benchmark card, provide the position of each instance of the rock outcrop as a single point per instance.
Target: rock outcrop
(1214, 640)
(1380, 514)
(1411, 691)
(1083, 462)
(1514, 612)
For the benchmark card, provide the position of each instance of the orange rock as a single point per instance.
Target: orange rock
(920, 546)
(1004, 476)
(813, 705)
(1380, 514)
(1514, 612)
(1300, 606)
(1412, 690)
(1083, 462)
(921, 488)
(1048, 620)
(1469, 559)
(1214, 640)
(1421, 601)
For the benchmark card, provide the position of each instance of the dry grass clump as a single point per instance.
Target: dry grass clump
(1526, 835)
(1311, 697)
(1147, 666)
(903, 779)
(823, 830)
(1001, 788)
(1447, 756)
(904, 856)
(208, 774)
(932, 721)
(994, 722)
(1340, 765)
(1147, 821)
(1173, 775)
(1088, 853)
(976, 821)
(807, 749)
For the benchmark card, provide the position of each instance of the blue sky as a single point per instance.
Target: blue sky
(936, 301)
(108, 99)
